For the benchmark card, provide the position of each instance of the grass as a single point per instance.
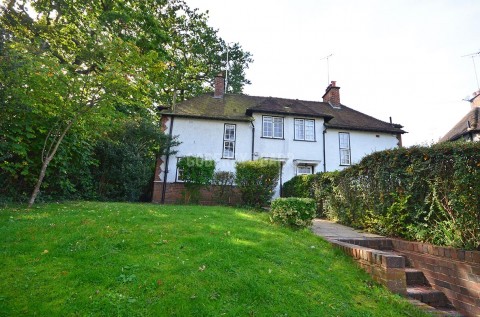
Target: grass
(116, 259)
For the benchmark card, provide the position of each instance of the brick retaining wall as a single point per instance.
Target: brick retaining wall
(174, 194)
(385, 268)
(455, 272)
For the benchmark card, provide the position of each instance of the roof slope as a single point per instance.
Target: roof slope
(461, 128)
(241, 107)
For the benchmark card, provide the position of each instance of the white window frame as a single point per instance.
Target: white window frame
(344, 148)
(178, 173)
(271, 125)
(302, 126)
(229, 140)
(304, 166)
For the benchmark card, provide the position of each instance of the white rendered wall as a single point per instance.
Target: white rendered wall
(204, 138)
(289, 151)
(361, 144)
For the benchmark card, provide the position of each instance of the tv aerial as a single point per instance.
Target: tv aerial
(473, 55)
(328, 67)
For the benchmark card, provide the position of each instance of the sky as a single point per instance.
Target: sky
(391, 58)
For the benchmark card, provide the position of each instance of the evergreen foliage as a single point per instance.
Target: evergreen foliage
(257, 181)
(426, 194)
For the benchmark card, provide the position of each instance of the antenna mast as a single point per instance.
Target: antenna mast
(227, 68)
(473, 55)
(328, 67)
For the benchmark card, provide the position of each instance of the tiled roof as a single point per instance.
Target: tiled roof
(240, 108)
(461, 128)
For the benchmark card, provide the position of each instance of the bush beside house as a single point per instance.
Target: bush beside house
(428, 194)
(196, 172)
(293, 212)
(256, 181)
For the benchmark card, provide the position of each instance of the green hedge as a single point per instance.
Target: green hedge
(429, 194)
(293, 212)
(256, 181)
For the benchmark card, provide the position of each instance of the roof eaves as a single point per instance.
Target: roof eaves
(204, 117)
(346, 127)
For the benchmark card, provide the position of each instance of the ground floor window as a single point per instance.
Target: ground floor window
(179, 176)
(345, 151)
(304, 169)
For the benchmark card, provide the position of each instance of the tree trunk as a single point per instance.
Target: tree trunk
(36, 190)
(47, 161)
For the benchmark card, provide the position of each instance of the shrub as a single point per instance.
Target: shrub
(223, 182)
(293, 212)
(428, 194)
(299, 186)
(257, 180)
(317, 186)
(197, 172)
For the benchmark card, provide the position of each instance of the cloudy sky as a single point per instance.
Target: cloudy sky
(396, 58)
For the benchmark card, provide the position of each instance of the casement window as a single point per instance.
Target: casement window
(179, 176)
(304, 169)
(304, 130)
(272, 127)
(229, 138)
(345, 151)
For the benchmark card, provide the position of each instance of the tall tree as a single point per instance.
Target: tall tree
(68, 64)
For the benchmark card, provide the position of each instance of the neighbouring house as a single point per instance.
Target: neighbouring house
(305, 136)
(468, 128)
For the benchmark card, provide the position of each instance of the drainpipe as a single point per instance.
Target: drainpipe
(324, 156)
(166, 164)
(253, 140)
(281, 181)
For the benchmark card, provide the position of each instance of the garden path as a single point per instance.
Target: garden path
(331, 230)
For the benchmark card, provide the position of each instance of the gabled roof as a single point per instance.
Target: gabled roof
(237, 107)
(462, 127)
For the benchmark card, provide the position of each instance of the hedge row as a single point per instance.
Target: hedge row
(429, 194)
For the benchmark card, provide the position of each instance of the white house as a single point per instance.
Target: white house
(305, 136)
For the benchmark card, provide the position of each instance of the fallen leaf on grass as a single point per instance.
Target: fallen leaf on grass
(45, 252)
(202, 268)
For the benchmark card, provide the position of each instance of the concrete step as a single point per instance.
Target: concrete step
(428, 295)
(415, 277)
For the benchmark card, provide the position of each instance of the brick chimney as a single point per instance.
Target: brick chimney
(332, 94)
(219, 86)
(475, 101)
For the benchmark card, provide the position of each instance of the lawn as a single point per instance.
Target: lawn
(118, 259)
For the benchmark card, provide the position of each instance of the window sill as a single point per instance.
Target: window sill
(304, 140)
(228, 158)
(268, 138)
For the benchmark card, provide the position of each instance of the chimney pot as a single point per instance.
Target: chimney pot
(219, 86)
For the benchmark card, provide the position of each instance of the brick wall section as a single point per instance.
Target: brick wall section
(174, 194)
(386, 269)
(455, 272)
